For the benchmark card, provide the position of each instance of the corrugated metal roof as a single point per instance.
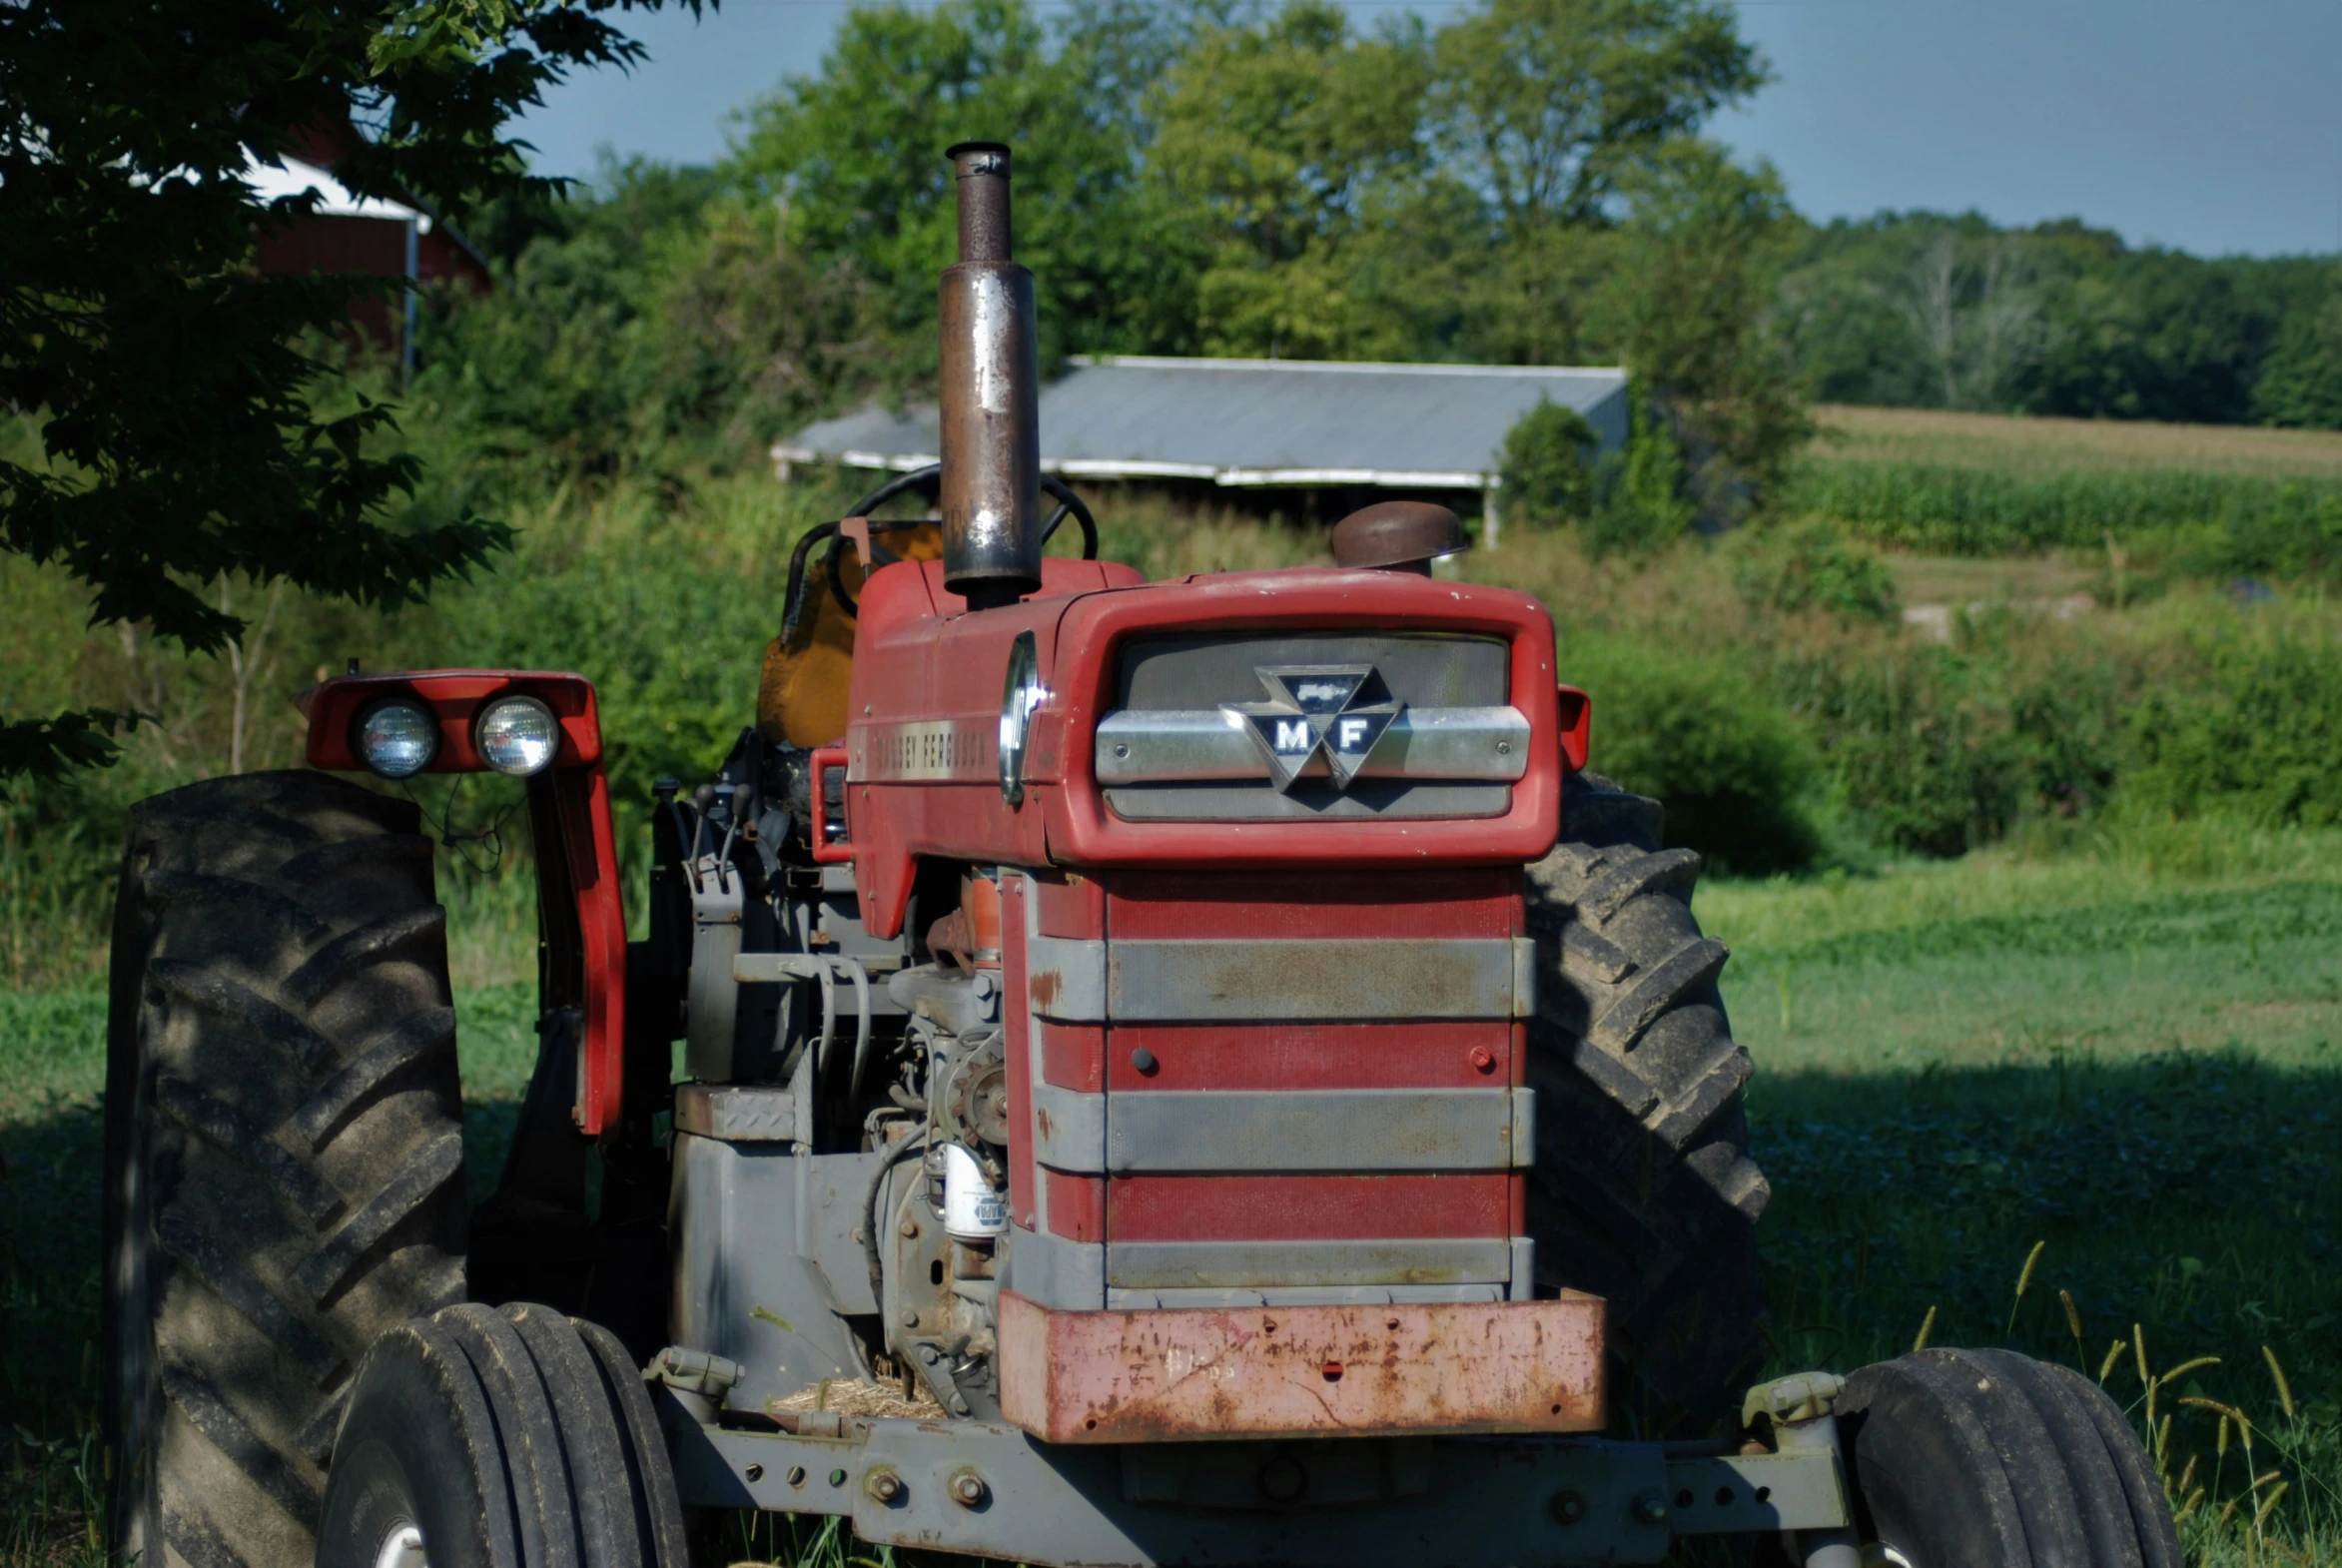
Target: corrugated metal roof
(1257, 422)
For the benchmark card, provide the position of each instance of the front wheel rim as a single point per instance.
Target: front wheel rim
(403, 1548)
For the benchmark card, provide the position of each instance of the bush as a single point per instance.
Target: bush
(2261, 739)
(1629, 502)
(1944, 750)
(1639, 499)
(1733, 769)
(1549, 465)
(1812, 566)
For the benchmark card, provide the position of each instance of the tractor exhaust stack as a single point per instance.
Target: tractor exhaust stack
(990, 396)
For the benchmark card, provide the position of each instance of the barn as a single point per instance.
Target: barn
(348, 233)
(1365, 429)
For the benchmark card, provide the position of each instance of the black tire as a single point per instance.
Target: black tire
(1643, 1190)
(1991, 1459)
(507, 1437)
(284, 1149)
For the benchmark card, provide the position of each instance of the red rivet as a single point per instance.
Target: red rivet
(1483, 1060)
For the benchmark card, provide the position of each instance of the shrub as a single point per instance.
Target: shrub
(2262, 737)
(1548, 465)
(1812, 566)
(1639, 499)
(1732, 767)
(1942, 749)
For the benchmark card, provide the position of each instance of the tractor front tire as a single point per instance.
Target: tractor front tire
(512, 1437)
(1643, 1192)
(284, 1150)
(1992, 1459)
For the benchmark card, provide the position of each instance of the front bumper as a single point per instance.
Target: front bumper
(1452, 1502)
(1384, 1371)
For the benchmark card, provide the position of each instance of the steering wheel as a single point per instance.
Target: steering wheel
(1062, 493)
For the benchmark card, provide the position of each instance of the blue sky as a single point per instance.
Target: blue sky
(2213, 126)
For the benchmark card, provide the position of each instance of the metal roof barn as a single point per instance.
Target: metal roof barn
(1257, 423)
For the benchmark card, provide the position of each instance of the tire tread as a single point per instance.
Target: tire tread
(284, 1160)
(1643, 1192)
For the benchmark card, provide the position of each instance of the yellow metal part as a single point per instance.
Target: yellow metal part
(801, 698)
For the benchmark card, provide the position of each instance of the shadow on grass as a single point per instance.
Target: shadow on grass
(2196, 1195)
(51, 1179)
(2190, 1206)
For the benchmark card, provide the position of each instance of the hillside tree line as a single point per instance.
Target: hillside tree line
(1524, 184)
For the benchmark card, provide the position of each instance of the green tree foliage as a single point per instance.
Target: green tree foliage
(160, 377)
(1293, 140)
(1925, 309)
(2300, 384)
(1735, 770)
(1548, 468)
(662, 324)
(853, 157)
(1550, 106)
(1691, 296)
(1522, 185)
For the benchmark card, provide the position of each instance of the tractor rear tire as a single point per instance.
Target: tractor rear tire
(1643, 1192)
(1991, 1459)
(284, 1150)
(512, 1437)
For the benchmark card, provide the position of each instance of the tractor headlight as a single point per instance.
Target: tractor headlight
(398, 737)
(1020, 695)
(517, 735)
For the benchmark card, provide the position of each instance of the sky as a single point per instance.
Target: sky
(2214, 125)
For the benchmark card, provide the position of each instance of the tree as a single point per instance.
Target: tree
(1547, 105)
(180, 422)
(1549, 464)
(1294, 142)
(2301, 383)
(1700, 257)
(853, 153)
(1971, 300)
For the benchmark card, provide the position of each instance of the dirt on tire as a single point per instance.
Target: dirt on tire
(284, 1149)
(1643, 1192)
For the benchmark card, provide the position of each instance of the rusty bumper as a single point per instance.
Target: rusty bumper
(1181, 1374)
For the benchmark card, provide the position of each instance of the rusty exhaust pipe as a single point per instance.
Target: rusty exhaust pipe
(990, 396)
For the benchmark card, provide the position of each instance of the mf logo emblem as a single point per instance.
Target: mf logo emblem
(1315, 710)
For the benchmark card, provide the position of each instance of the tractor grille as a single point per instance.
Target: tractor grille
(1302, 727)
(1243, 1088)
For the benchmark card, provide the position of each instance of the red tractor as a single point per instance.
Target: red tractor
(1180, 1073)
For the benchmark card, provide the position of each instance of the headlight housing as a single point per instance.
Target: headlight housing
(398, 737)
(1020, 693)
(517, 736)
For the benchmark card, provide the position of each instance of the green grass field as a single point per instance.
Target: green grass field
(2128, 1048)
(2131, 1054)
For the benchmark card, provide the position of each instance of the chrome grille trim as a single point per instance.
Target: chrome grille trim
(1186, 745)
